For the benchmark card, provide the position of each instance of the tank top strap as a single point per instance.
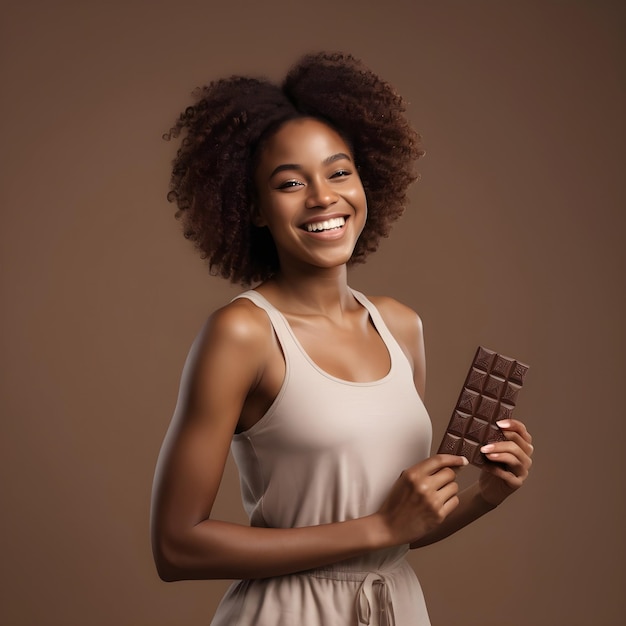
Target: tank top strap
(279, 323)
(392, 345)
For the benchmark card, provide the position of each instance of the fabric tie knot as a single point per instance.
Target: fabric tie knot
(373, 586)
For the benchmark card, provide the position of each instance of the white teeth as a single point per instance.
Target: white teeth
(335, 222)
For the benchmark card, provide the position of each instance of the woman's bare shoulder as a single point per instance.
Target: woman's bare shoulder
(226, 357)
(240, 322)
(400, 318)
(237, 332)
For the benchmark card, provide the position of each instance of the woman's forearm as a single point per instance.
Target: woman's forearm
(216, 549)
(420, 500)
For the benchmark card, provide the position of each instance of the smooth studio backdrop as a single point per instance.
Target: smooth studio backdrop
(514, 238)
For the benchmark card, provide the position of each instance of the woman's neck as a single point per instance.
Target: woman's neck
(324, 292)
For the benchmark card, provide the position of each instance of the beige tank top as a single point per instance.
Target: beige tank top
(329, 450)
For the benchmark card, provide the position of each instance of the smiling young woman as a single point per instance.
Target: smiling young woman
(316, 388)
(310, 196)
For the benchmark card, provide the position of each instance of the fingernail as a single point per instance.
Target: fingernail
(503, 423)
(487, 448)
(465, 460)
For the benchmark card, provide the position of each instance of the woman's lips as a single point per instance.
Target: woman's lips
(320, 226)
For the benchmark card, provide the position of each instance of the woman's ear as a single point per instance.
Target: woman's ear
(256, 216)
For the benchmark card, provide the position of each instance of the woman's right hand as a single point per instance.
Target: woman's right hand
(421, 499)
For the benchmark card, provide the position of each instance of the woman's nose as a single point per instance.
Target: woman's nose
(321, 194)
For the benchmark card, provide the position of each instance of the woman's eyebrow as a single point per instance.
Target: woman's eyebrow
(336, 157)
(285, 166)
(294, 166)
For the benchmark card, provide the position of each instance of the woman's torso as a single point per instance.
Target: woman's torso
(327, 450)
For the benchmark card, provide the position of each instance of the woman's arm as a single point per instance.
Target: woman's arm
(496, 482)
(225, 368)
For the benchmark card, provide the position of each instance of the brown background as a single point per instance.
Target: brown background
(514, 239)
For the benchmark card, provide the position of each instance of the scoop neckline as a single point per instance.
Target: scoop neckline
(370, 308)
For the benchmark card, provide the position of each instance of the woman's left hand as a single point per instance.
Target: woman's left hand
(512, 461)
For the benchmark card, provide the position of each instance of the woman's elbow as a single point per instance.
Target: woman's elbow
(166, 570)
(180, 560)
(166, 559)
(188, 554)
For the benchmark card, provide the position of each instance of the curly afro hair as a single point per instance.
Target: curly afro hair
(231, 119)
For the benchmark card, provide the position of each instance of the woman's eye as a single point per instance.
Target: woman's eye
(288, 184)
(341, 173)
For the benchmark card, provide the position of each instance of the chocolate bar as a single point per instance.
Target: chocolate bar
(488, 396)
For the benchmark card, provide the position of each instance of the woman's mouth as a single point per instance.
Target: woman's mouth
(324, 225)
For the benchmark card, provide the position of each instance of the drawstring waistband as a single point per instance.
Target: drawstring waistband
(373, 591)
(364, 602)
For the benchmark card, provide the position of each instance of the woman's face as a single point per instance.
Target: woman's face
(310, 195)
